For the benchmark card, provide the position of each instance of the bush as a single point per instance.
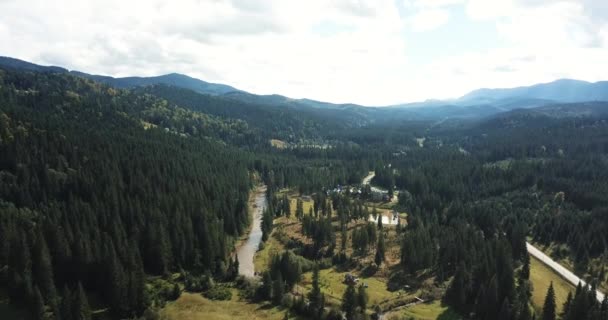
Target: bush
(176, 293)
(369, 270)
(287, 301)
(200, 283)
(334, 314)
(247, 287)
(219, 293)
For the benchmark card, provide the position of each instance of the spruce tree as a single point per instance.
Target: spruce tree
(315, 293)
(349, 302)
(39, 308)
(278, 289)
(524, 273)
(549, 305)
(80, 305)
(567, 305)
(299, 209)
(43, 269)
(362, 298)
(525, 313)
(380, 250)
(66, 304)
(265, 291)
(505, 311)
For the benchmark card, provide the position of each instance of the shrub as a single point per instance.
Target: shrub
(219, 293)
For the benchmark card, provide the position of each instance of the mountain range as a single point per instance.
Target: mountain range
(476, 104)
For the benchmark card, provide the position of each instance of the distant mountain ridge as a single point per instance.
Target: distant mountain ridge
(476, 104)
(172, 79)
(563, 91)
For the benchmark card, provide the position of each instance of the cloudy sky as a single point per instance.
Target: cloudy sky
(371, 52)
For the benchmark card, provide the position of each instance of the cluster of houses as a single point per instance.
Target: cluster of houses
(375, 194)
(345, 189)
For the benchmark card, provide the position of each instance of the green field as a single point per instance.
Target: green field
(427, 311)
(541, 276)
(333, 287)
(192, 306)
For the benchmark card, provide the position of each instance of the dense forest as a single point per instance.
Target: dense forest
(100, 187)
(91, 199)
(103, 188)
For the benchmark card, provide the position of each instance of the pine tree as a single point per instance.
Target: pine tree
(299, 209)
(362, 298)
(524, 273)
(549, 306)
(349, 302)
(278, 289)
(80, 305)
(267, 224)
(525, 313)
(505, 311)
(343, 238)
(39, 308)
(315, 293)
(286, 206)
(380, 250)
(43, 269)
(567, 305)
(458, 290)
(66, 305)
(265, 291)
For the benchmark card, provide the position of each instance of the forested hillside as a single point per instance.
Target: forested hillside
(91, 199)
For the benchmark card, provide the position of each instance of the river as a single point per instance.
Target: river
(247, 251)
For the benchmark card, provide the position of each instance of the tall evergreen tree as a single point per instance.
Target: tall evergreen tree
(525, 313)
(380, 250)
(567, 305)
(278, 289)
(549, 305)
(524, 273)
(315, 293)
(317, 300)
(39, 308)
(66, 305)
(80, 305)
(349, 302)
(362, 298)
(299, 209)
(43, 269)
(505, 311)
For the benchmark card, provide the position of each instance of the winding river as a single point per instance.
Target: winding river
(247, 251)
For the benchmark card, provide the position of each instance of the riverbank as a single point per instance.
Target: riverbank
(248, 245)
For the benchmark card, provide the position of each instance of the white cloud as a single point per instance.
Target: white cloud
(294, 48)
(433, 3)
(429, 19)
(487, 10)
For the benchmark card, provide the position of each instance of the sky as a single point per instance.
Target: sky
(372, 52)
